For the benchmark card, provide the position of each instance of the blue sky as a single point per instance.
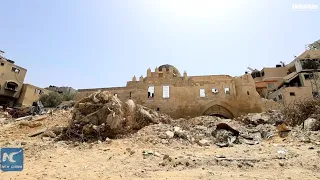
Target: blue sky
(103, 43)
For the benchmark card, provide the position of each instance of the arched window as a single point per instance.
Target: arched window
(11, 86)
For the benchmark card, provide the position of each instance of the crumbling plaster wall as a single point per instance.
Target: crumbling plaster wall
(30, 94)
(274, 73)
(8, 75)
(291, 94)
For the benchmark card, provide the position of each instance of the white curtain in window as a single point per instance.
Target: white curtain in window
(166, 92)
(202, 93)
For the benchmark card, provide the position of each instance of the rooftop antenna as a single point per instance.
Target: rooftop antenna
(252, 70)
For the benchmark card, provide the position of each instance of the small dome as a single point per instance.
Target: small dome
(166, 66)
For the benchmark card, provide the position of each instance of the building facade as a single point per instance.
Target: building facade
(168, 91)
(302, 80)
(11, 81)
(61, 90)
(30, 94)
(268, 78)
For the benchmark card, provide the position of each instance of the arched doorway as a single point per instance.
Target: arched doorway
(220, 111)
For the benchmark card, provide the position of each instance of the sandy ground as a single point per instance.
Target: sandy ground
(124, 158)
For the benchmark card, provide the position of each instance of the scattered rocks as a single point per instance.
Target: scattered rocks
(23, 143)
(157, 154)
(169, 134)
(220, 156)
(204, 142)
(49, 133)
(281, 163)
(177, 129)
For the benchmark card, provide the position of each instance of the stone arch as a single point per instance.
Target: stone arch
(219, 109)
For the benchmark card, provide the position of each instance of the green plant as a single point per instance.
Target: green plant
(52, 99)
(68, 96)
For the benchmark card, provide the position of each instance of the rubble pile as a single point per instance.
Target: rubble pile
(269, 117)
(66, 105)
(306, 136)
(102, 115)
(5, 117)
(206, 131)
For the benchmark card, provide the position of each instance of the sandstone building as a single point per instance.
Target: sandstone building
(11, 81)
(180, 95)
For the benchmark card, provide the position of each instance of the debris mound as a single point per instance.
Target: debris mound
(102, 115)
(4, 117)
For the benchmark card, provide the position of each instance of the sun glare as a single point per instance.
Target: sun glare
(196, 9)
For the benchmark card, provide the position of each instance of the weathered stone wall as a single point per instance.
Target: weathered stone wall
(185, 97)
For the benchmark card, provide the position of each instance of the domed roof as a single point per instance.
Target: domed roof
(166, 66)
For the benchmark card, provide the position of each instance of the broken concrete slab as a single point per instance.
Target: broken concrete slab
(26, 118)
(37, 132)
(311, 124)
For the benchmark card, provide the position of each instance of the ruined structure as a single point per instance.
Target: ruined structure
(302, 79)
(268, 78)
(29, 94)
(180, 95)
(61, 90)
(12, 90)
(11, 81)
(287, 83)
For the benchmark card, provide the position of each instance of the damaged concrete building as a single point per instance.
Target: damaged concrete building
(297, 80)
(61, 90)
(166, 90)
(13, 92)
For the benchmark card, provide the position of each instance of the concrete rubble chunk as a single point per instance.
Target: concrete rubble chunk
(49, 133)
(201, 128)
(311, 124)
(26, 118)
(176, 129)
(204, 142)
(169, 134)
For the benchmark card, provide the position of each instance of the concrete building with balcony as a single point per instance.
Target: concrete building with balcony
(302, 79)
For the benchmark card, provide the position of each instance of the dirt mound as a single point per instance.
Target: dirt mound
(102, 115)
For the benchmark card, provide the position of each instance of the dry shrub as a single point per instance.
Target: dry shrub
(296, 112)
